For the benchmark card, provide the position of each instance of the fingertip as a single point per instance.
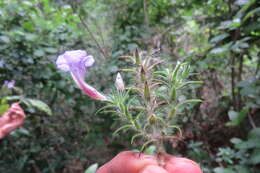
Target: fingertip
(182, 165)
(153, 169)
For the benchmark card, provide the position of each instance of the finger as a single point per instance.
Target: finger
(180, 165)
(153, 169)
(4, 119)
(16, 112)
(127, 162)
(6, 129)
(15, 107)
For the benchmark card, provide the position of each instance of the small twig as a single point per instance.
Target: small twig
(240, 72)
(251, 121)
(89, 31)
(258, 65)
(99, 30)
(233, 80)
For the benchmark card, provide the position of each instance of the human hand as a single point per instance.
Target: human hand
(12, 119)
(135, 162)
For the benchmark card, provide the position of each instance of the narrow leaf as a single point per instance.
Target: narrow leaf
(122, 128)
(136, 136)
(188, 102)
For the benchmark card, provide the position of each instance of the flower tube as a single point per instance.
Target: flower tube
(76, 62)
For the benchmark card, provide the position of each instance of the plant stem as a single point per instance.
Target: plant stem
(159, 142)
(233, 80)
(251, 121)
(89, 31)
(239, 99)
(146, 17)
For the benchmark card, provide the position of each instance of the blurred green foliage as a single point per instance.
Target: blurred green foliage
(219, 38)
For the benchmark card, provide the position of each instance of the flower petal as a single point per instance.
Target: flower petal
(74, 57)
(62, 63)
(89, 61)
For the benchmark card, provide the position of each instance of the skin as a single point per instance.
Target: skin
(11, 119)
(134, 162)
(180, 165)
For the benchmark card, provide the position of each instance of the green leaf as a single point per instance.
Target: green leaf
(92, 168)
(21, 162)
(173, 94)
(235, 140)
(251, 13)
(223, 170)
(3, 100)
(11, 98)
(175, 72)
(162, 73)
(150, 150)
(190, 82)
(39, 105)
(255, 133)
(232, 115)
(122, 128)
(237, 118)
(225, 24)
(23, 131)
(146, 144)
(255, 157)
(136, 136)
(251, 143)
(218, 50)
(188, 102)
(50, 50)
(31, 37)
(219, 38)
(160, 81)
(105, 107)
(235, 23)
(185, 71)
(39, 53)
(242, 169)
(3, 108)
(221, 50)
(5, 39)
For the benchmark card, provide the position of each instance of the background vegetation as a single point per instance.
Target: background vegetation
(219, 38)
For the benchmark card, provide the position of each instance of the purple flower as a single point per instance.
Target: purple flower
(9, 84)
(76, 62)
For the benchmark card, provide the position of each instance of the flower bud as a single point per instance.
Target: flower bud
(142, 74)
(173, 94)
(120, 86)
(137, 57)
